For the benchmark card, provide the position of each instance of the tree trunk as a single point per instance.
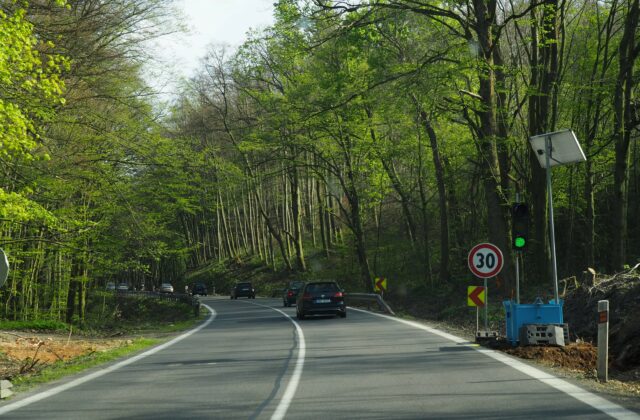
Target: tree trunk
(442, 198)
(544, 73)
(297, 219)
(623, 124)
(498, 232)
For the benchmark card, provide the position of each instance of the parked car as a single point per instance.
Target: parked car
(244, 289)
(290, 294)
(166, 288)
(321, 298)
(122, 287)
(199, 289)
(110, 286)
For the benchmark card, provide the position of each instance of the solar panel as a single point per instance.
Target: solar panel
(565, 148)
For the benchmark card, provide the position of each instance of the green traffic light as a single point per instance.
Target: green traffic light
(520, 242)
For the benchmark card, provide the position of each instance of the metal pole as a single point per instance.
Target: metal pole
(517, 264)
(517, 277)
(486, 307)
(552, 235)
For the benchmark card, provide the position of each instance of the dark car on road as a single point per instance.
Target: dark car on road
(321, 298)
(290, 294)
(244, 289)
(199, 289)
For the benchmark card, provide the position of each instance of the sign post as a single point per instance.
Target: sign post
(485, 260)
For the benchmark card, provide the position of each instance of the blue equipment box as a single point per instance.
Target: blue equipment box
(537, 312)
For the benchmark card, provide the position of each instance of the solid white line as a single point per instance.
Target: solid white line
(614, 410)
(292, 387)
(72, 384)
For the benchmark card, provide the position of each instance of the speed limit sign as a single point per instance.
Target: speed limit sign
(485, 260)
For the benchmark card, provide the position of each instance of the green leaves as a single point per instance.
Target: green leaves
(30, 84)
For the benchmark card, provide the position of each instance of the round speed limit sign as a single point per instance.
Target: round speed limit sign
(485, 260)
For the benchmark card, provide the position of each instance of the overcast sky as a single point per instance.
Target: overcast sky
(211, 22)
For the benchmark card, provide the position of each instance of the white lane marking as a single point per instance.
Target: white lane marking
(292, 387)
(614, 410)
(53, 391)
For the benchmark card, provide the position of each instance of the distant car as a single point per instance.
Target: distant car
(199, 289)
(110, 286)
(122, 287)
(290, 294)
(321, 298)
(244, 289)
(166, 288)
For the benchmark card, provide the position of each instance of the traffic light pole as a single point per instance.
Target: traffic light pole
(517, 263)
(552, 235)
(518, 277)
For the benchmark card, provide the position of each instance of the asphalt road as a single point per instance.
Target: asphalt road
(252, 360)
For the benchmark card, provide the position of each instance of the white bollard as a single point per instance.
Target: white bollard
(603, 340)
(5, 389)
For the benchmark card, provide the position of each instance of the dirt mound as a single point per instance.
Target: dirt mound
(574, 356)
(21, 354)
(623, 293)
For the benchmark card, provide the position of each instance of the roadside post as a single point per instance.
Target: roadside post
(485, 261)
(4, 268)
(5, 389)
(603, 340)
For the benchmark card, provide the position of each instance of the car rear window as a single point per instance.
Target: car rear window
(244, 285)
(296, 284)
(322, 287)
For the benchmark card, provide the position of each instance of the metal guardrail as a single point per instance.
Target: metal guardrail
(369, 298)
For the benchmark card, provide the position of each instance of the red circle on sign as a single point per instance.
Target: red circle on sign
(489, 257)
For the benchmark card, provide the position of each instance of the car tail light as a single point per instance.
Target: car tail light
(290, 294)
(306, 296)
(338, 295)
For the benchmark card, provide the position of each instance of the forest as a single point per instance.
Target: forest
(357, 139)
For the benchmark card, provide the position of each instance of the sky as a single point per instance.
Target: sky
(210, 22)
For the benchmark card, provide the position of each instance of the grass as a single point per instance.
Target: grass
(62, 369)
(40, 325)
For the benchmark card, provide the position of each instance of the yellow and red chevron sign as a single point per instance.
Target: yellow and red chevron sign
(475, 296)
(380, 284)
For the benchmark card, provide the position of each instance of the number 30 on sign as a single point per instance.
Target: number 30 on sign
(485, 260)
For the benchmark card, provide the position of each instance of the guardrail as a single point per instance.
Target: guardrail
(369, 298)
(173, 297)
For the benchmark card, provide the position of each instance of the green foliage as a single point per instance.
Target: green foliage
(30, 83)
(40, 325)
(18, 208)
(108, 311)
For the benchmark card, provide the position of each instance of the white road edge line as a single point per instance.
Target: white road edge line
(74, 383)
(292, 387)
(607, 407)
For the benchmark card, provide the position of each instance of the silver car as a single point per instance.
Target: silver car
(166, 288)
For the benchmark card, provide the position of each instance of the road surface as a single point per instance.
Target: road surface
(252, 359)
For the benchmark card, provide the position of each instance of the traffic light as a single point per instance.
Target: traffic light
(520, 226)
